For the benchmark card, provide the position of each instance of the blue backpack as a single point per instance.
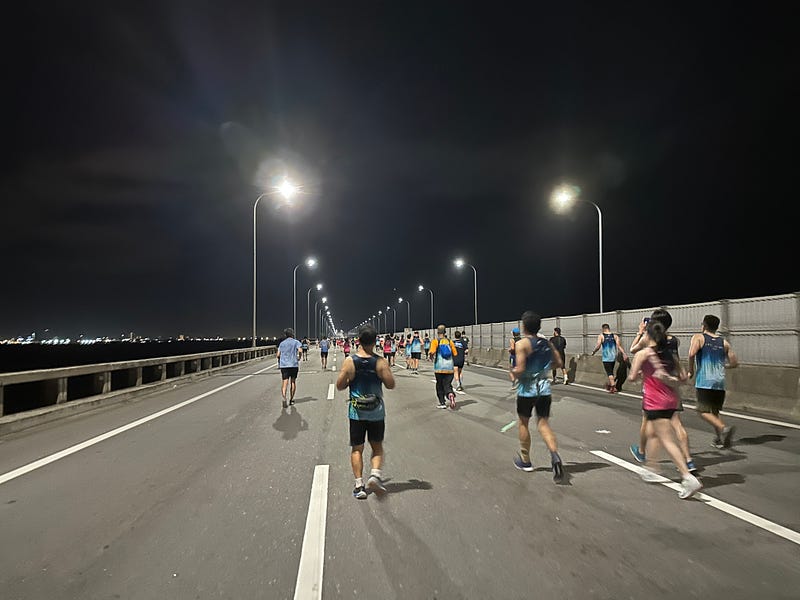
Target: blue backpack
(444, 349)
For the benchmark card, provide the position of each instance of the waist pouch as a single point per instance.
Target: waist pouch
(366, 403)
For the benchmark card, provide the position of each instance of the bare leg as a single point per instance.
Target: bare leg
(663, 431)
(284, 383)
(543, 425)
(643, 435)
(713, 420)
(293, 389)
(680, 433)
(357, 460)
(524, 438)
(376, 461)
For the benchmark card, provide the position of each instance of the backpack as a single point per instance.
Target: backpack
(444, 349)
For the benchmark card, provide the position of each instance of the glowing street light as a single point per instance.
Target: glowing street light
(308, 308)
(310, 263)
(287, 189)
(400, 301)
(562, 199)
(459, 263)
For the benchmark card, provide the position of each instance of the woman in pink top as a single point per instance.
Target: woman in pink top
(662, 374)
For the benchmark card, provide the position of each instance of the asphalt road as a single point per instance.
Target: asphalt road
(211, 500)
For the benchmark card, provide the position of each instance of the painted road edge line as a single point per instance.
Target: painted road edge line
(692, 406)
(312, 556)
(38, 464)
(331, 391)
(505, 428)
(779, 530)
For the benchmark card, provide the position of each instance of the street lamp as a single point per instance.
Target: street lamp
(422, 287)
(562, 199)
(379, 320)
(400, 301)
(459, 263)
(286, 189)
(310, 263)
(394, 319)
(316, 315)
(308, 308)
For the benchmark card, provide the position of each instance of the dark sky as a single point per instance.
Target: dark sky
(136, 140)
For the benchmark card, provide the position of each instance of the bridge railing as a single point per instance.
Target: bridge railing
(42, 388)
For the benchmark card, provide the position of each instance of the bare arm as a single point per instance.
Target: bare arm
(385, 373)
(346, 375)
(733, 360)
(694, 348)
(599, 343)
(636, 367)
(521, 353)
(619, 347)
(557, 364)
(641, 340)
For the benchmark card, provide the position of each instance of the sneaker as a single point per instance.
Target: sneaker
(460, 388)
(689, 486)
(639, 456)
(726, 436)
(452, 398)
(284, 403)
(375, 485)
(522, 465)
(613, 389)
(291, 402)
(558, 471)
(691, 466)
(717, 442)
(441, 405)
(359, 493)
(649, 476)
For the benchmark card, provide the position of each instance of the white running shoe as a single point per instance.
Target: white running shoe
(689, 486)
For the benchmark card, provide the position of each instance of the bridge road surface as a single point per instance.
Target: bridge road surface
(211, 500)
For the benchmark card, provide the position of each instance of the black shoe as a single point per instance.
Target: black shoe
(284, 404)
(360, 493)
(558, 471)
(291, 402)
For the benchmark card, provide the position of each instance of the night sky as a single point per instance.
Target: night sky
(137, 139)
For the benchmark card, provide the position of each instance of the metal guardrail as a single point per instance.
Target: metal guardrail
(28, 390)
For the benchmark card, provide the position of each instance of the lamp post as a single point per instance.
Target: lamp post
(316, 315)
(422, 287)
(562, 198)
(400, 301)
(394, 319)
(308, 308)
(286, 189)
(460, 263)
(310, 263)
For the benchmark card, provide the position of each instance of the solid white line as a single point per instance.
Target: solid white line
(312, 556)
(779, 530)
(505, 428)
(37, 464)
(692, 406)
(331, 391)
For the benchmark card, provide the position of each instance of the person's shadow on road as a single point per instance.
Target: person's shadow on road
(290, 423)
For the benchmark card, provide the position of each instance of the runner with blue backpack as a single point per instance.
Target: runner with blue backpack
(535, 356)
(442, 352)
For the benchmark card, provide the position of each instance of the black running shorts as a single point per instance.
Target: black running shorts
(416, 355)
(609, 367)
(323, 354)
(526, 406)
(459, 363)
(710, 401)
(652, 415)
(360, 430)
(289, 372)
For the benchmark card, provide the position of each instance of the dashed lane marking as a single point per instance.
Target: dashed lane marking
(331, 391)
(312, 556)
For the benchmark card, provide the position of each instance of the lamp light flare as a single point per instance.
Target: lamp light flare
(287, 189)
(458, 262)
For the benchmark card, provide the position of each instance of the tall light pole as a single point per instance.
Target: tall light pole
(394, 319)
(562, 198)
(310, 263)
(286, 189)
(379, 320)
(460, 263)
(422, 287)
(308, 308)
(400, 301)
(316, 315)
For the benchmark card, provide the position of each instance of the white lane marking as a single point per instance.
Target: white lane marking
(312, 556)
(37, 464)
(331, 389)
(692, 406)
(505, 428)
(779, 530)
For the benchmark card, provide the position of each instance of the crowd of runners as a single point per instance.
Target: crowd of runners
(535, 362)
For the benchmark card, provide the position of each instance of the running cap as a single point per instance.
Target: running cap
(515, 330)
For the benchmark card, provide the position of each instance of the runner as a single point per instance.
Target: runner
(427, 346)
(610, 344)
(660, 401)
(442, 351)
(534, 358)
(304, 348)
(346, 347)
(560, 344)
(387, 349)
(393, 347)
(462, 349)
(640, 342)
(364, 373)
(409, 360)
(289, 352)
(324, 346)
(512, 359)
(710, 352)
(416, 353)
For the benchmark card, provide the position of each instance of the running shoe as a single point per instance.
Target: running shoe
(558, 471)
(522, 465)
(460, 388)
(375, 485)
(726, 436)
(291, 402)
(284, 404)
(717, 443)
(689, 486)
(441, 405)
(639, 456)
(359, 492)
(452, 398)
(691, 466)
(649, 476)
